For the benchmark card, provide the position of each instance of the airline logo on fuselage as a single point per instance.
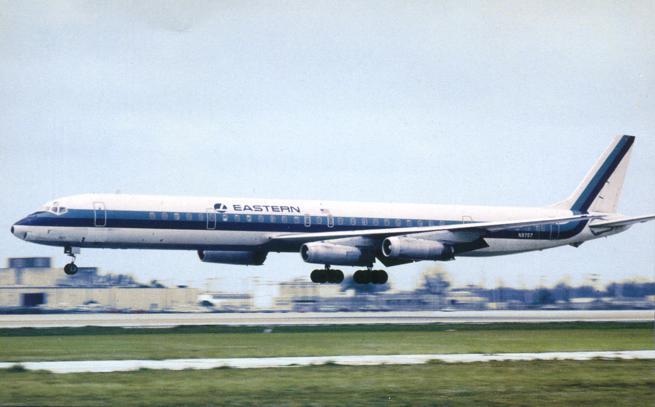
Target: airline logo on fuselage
(219, 207)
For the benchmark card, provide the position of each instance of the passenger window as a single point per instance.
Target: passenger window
(260, 218)
(283, 219)
(189, 216)
(364, 221)
(339, 221)
(399, 222)
(164, 215)
(152, 215)
(176, 216)
(409, 222)
(296, 220)
(308, 221)
(318, 220)
(237, 218)
(225, 217)
(387, 222)
(376, 221)
(272, 218)
(248, 218)
(419, 223)
(353, 221)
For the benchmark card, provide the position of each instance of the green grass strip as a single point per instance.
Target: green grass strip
(596, 382)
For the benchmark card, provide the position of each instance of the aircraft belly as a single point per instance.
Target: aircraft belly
(126, 238)
(498, 247)
(186, 238)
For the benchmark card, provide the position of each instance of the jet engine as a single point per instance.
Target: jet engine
(243, 257)
(416, 249)
(329, 253)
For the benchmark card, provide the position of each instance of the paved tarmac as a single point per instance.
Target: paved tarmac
(102, 366)
(315, 318)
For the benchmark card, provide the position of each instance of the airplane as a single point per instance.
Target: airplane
(244, 230)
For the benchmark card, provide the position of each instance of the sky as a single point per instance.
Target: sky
(451, 102)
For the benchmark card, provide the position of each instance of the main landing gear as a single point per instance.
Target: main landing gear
(327, 275)
(70, 268)
(370, 276)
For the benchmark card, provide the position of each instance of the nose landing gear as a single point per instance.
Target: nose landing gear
(71, 268)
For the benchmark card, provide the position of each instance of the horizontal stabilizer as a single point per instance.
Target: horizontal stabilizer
(621, 222)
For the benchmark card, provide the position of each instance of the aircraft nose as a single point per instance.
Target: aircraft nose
(16, 231)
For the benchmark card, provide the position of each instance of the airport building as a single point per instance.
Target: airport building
(227, 302)
(32, 283)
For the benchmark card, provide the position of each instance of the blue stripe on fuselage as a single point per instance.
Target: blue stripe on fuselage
(198, 221)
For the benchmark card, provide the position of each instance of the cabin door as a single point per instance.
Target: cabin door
(211, 219)
(99, 214)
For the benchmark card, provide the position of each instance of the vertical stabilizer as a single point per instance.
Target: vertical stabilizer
(599, 191)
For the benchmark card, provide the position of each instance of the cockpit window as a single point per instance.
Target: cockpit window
(55, 208)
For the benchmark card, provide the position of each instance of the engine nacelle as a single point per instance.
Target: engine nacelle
(328, 253)
(243, 257)
(416, 249)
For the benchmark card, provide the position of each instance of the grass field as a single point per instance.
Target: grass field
(596, 382)
(31, 344)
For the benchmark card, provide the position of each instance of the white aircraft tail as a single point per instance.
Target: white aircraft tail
(599, 191)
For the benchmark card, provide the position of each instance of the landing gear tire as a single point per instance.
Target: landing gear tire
(70, 269)
(379, 277)
(322, 276)
(335, 276)
(370, 277)
(362, 277)
(319, 276)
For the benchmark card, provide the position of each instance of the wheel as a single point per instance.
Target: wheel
(70, 269)
(362, 276)
(379, 277)
(315, 276)
(335, 276)
(319, 276)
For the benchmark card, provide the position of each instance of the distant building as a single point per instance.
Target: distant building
(303, 295)
(227, 302)
(466, 299)
(32, 282)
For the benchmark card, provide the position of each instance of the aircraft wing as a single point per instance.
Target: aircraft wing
(613, 223)
(480, 227)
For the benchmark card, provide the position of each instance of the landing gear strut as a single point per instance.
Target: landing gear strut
(370, 276)
(327, 275)
(70, 268)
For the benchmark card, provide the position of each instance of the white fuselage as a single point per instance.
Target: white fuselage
(199, 223)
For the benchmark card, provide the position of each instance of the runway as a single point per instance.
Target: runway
(316, 318)
(105, 366)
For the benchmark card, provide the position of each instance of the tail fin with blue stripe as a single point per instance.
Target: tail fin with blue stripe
(601, 188)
